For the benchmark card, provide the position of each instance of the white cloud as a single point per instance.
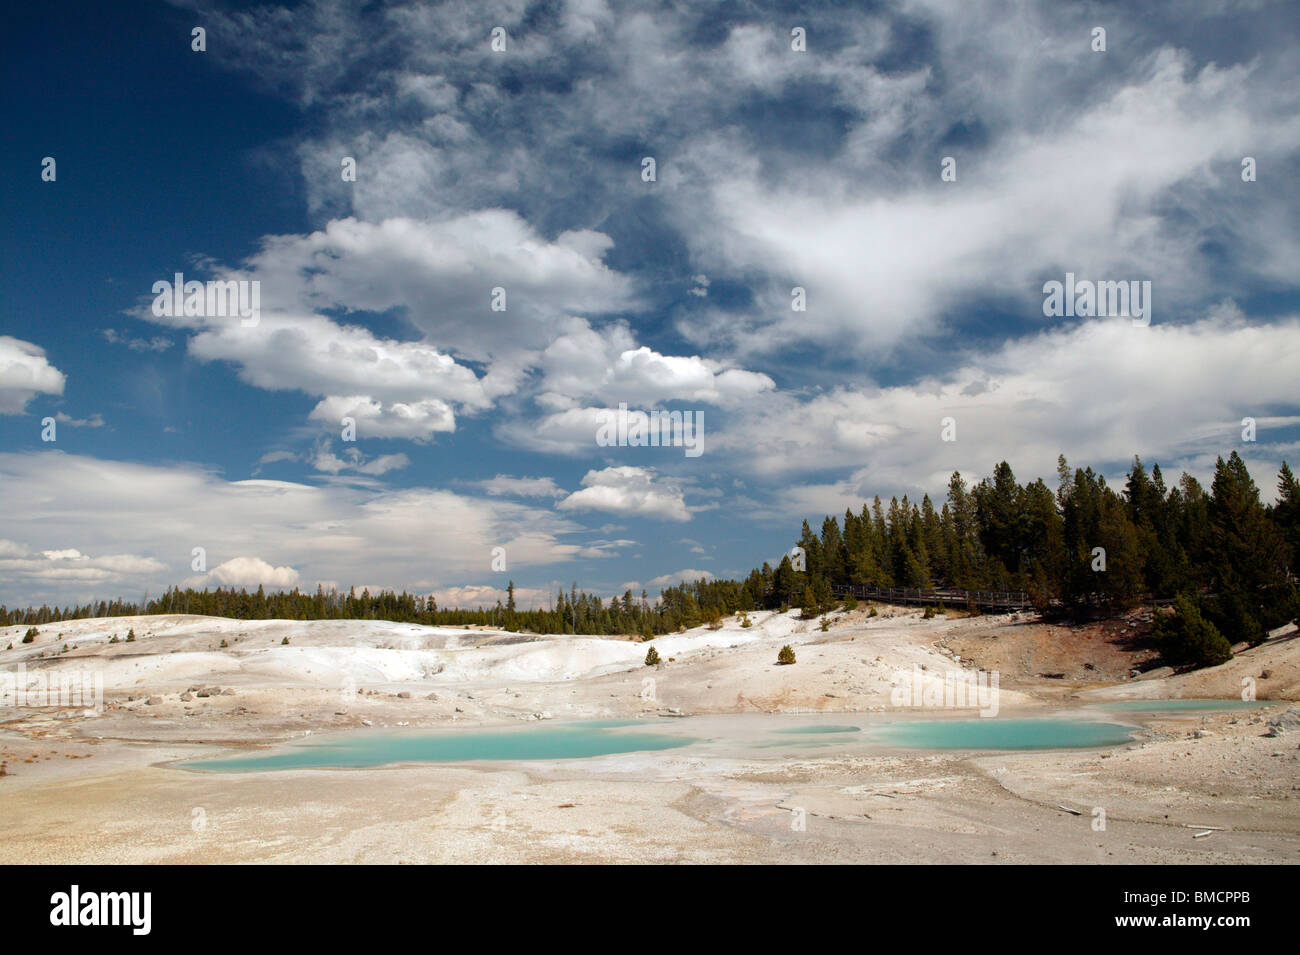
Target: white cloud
(486, 596)
(443, 277)
(672, 580)
(158, 343)
(58, 569)
(254, 572)
(607, 364)
(630, 491)
(411, 537)
(416, 420)
(825, 172)
(441, 274)
(578, 431)
(70, 553)
(271, 457)
(25, 372)
(1097, 391)
(318, 356)
(353, 460)
(605, 548)
(882, 266)
(504, 485)
(94, 421)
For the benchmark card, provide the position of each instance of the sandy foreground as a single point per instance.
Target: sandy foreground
(86, 787)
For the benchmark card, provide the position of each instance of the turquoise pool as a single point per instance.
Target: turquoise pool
(362, 750)
(722, 734)
(994, 733)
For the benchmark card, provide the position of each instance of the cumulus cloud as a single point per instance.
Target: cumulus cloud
(579, 431)
(416, 420)
(607, 364)
(482, 286)
(824, 174)
(1099, 391)
(441, 275)
(672, 580)
(571, 431)
(417, 538)
(25, 372)
(316, 355)
(824, 169)
(66, 569)
(629, 491)
(254, 572)
(487, 595)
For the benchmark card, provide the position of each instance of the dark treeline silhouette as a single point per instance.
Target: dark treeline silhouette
(1229, 562)
(1084, 547)
(574, 612)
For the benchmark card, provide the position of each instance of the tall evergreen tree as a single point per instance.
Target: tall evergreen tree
(1253, 590)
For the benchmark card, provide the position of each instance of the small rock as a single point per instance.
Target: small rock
(404, 695)
(187, 696)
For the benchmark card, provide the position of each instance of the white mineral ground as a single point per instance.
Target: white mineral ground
(99, 788)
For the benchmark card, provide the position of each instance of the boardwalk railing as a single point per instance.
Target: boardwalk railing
(984, 599)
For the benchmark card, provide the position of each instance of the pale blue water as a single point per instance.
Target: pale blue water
(817, 730)
(608, 737)
(994, 733)
(1172, 706)
(564, 741)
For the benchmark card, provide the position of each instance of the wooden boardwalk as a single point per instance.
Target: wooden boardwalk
(1002, 600)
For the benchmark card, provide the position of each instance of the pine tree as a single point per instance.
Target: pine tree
(784, 583)
(1252, 588)
(808, 603)
(1286, 515)
(1184, 636)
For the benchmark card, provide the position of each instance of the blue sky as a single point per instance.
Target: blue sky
(522, 170)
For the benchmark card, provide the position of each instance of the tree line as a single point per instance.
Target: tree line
(1084, 547)
(1228, 562)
